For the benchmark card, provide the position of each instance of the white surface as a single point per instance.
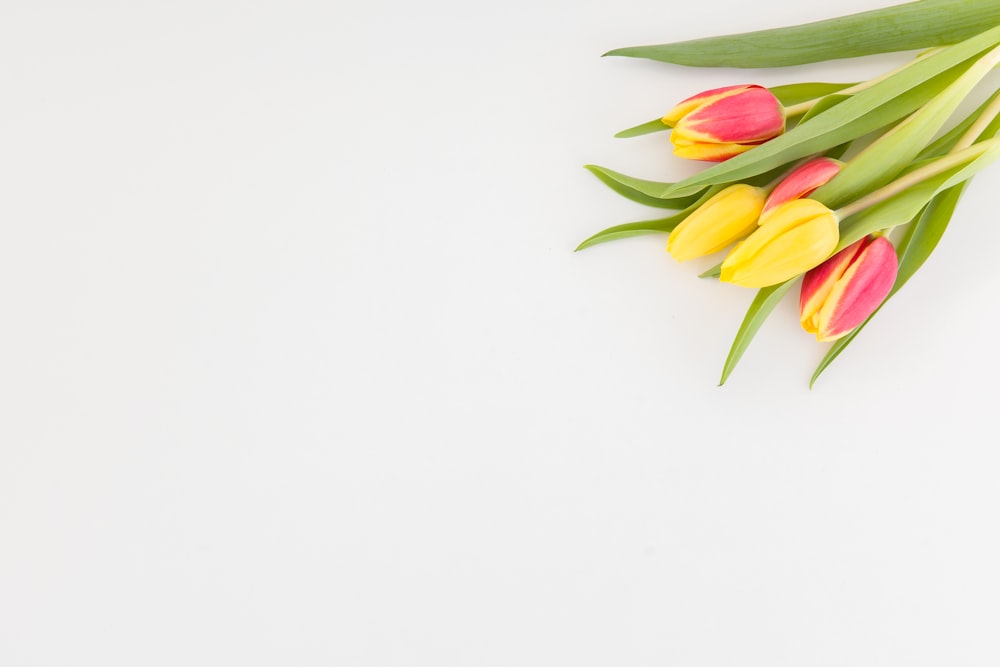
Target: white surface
(298, 368)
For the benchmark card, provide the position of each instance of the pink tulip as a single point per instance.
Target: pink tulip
(717, 124)
(802, 182)
(839, 294)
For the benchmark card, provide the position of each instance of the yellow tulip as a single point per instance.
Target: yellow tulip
(722, 220)
(793, 238)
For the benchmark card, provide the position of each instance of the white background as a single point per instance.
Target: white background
(298, 367)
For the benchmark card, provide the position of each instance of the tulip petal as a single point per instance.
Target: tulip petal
(819, 282)
(707, 152)
(727, 217)
(860, 291)
(751, 115)
(690, 104)
(802, 182)
(799, 235)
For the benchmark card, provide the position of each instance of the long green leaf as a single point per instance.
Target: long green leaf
(883, 160)
(633, 229)
(824, 104)
(903, 207)
(796, 93)
(643, 227)
(915, 25)
(878, 106)
(762, 306)
(647, 226)
(947, 140)
(655, 125)
(641, 190)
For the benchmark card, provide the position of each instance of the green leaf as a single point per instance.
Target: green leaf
(903, 207)
(948, 140)
(884, 159)
(762, 306)
(922, 237)
(926, 232)
(713, 272)
(655, 125)
(796, 93)
(915, 25)
(647, 226)
(878, 106)
(634, 229)
(640, 190)
(824, 104)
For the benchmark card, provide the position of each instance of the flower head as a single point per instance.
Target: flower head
(724, 219)
(802, 181)
(795, 237)
(839, 294)
(717, 124)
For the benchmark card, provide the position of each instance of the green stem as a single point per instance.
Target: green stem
(978, 127)
(804, 107)
(939, 166)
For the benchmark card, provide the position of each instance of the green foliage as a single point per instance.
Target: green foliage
(915, 25)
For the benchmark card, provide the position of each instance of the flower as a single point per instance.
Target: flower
(795, 237)
(725, 218)
(802, 181)
(717, 124)
(839, 294)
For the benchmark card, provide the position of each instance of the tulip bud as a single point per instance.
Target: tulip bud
(802, 181)
(724, 219)
(839, 294)
(796, 236)
(717, 124)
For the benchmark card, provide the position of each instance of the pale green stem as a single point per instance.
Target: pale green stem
(804, 107)
(977, 128)
(916, 176)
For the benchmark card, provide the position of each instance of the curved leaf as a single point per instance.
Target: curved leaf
(796, 93)
(824, 104)
(640, 190)
(646, 226)
(915, 25)
(655, 125)
(891, 153)
(762, 306)
(905, 206)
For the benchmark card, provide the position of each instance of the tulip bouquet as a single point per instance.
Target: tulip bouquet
(843, 189)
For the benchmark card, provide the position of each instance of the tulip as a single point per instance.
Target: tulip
(724, 219)
(795, 237)
(839, 294)
(802, 181)
(717, 124)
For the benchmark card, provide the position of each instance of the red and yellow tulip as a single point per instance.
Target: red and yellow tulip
(802, 181)
(717, 124)
(839, 294)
